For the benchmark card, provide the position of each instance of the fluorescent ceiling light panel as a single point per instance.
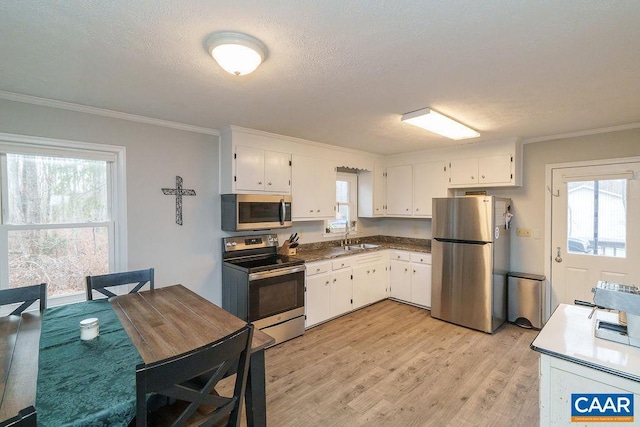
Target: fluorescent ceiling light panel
(440, 124)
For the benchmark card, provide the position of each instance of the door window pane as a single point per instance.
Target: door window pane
(597, 215)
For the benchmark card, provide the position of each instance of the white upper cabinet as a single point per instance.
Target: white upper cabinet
(277, 172)
(313, 188)
(495, 169)
(489, 171)
(253, 162)
(463, 171)
(429, 181)
(400, 190)
(372, 193)
(261, 170)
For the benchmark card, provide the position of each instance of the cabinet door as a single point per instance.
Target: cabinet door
(495, 169)
(379, 192)
(429, 181)
(277, 172)
(318, 299)
(380, 281)
(324, 184)
(249, 169)
(341, 292)
(399, 190)
(400, 279)
(421, 284)
(371, 193)
(303, 205)
(463, 171)
(362, 278)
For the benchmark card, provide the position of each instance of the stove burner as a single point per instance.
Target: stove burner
(269, 262)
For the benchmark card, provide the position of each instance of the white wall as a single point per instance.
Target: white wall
(191, 254)
(529, 200)
(188, 254)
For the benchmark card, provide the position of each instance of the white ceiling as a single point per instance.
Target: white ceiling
(339, 72)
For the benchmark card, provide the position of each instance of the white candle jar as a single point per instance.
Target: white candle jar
(89, 329)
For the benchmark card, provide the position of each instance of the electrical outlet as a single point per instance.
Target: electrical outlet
(523, 232)
(416, 230)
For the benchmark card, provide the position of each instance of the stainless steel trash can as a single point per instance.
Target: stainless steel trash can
(525, 299)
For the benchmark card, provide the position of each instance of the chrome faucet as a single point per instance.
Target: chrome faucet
(345, 241)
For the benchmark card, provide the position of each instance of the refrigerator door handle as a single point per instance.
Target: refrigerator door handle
(468, 242)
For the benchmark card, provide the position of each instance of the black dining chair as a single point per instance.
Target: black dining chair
(27, 295)
(189, 379)
(102, 282)
(25, 418)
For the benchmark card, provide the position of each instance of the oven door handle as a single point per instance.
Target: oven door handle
(275, 273)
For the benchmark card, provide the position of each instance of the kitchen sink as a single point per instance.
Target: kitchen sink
(361, 246)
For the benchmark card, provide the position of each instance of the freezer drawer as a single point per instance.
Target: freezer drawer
(465, 290)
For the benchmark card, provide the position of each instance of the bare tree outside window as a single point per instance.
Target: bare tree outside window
(57, 221)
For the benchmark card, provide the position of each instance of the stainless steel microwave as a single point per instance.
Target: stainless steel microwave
(243, 212)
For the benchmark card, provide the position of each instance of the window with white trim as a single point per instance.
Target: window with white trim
(597, 217)
(346, 205)
(62, 214)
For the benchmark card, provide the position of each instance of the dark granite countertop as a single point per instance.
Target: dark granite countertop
(322, 251)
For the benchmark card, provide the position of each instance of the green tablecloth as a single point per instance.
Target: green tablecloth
(85, 383)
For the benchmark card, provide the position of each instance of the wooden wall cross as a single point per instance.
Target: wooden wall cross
(178, 192)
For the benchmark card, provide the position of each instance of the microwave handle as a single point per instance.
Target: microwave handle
(283, 211)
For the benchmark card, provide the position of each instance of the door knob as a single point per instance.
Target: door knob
(558, 257)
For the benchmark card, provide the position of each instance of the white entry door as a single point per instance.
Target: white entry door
(595, 232)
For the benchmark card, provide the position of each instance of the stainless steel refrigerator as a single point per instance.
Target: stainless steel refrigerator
(470, 261)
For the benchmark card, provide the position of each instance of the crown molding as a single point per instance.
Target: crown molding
(45, 102)
(229, 128)
(581, 133)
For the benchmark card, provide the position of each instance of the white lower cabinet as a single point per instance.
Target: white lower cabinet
(411, 277)
(421, 279)
(560, 380)
(347, 283)
(370, 278)
(329, 290)
(400, 275)
(341, 291)
(336, 287)
(317, 304)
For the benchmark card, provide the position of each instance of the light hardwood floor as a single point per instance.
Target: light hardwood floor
(391, 364)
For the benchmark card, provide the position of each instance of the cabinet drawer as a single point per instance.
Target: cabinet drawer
(364, 259)
(421, 258)
(400, 256)
(318, 268)
(342, 262)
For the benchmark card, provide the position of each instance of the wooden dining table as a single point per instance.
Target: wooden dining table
(161, 323)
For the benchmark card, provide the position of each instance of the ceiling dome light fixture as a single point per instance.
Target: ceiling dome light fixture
(236, 53)
(433, 121)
